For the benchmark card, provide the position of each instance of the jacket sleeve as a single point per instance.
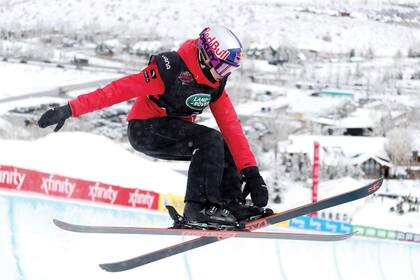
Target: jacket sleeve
(232, 132)
(146, 82)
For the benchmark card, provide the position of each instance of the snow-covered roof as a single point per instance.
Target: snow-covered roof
(350, 146)
(311, 106)
(114, 43)
(361, 118)
(255, 108)
(147, 45)
(364, 157)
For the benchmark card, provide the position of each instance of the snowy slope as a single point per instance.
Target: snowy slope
(96, 158)
(20, 79)
(302, 24)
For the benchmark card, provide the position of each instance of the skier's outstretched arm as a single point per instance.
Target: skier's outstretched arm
(136, 85)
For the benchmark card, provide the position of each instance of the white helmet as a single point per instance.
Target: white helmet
(220, 49)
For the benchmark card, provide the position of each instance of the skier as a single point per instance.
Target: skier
(170, 92)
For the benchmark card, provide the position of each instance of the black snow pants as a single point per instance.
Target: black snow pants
(212, 175)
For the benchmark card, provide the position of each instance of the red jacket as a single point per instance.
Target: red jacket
(136, 86)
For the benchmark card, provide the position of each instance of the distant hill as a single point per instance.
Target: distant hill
(381, 26)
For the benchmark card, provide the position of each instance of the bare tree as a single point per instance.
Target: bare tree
(278, 129)
(241, 88)
(399, 145)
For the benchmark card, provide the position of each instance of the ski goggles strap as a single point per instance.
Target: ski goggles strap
(224, 69)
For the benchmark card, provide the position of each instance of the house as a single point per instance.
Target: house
(373, 165)
(146, 48)
(361, 122)
(368, 153)
(413, 169)
(104, 50)
(80, 60)
(110, 47)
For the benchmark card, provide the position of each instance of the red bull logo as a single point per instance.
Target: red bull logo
(212, 46)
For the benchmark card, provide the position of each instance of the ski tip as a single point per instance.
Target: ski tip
(104, 267)
(58, 223)
(348, 235)
(110, 268)
(375, 185)
(62, 225)
(345, 236)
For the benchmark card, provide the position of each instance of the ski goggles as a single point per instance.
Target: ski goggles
(222, 67)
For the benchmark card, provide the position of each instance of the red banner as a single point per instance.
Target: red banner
(25, 180)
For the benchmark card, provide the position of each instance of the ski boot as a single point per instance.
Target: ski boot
(199, 216)
(245, 213)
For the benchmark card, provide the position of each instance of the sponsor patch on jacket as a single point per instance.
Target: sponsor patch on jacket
(146, 76)
(198, 101)
(186, 77)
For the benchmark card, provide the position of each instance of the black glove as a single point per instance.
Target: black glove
(255, 185)
(56, 115)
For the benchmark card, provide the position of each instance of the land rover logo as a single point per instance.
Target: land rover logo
(198, 101)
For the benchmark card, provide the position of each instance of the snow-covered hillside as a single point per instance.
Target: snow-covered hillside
(97, 158)
(327, 26)
(21, 79)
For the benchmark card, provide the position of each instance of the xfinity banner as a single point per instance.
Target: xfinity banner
(19, 179)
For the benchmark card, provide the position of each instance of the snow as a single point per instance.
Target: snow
(310, 106)
(92, 157)
(27, 102)
(364, 157)
(361, 118)
(258, 107)
(20, 79)
(32, 248)
(350, 145)
(252, 21)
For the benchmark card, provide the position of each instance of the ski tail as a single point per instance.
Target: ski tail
(202, 241)
(158, 255)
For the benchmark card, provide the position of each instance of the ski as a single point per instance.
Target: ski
(221, 234)
(253, 225)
